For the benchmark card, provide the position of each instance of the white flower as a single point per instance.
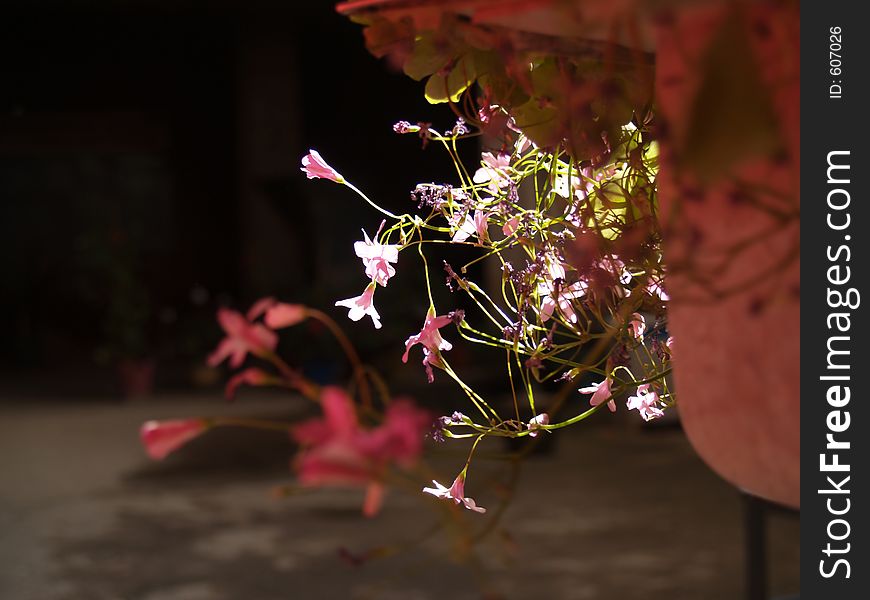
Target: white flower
(535, 424)
(456, 492)
(377, 258)
(637, 325)
(600, 392)
(362, 305)
(646, 402)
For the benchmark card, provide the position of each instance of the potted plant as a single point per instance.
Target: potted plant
(723, 104)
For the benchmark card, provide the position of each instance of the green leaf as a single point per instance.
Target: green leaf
(546, 79)
(440, 88)
(428, 56)
(538, 123)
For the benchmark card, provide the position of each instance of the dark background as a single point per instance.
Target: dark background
(149, 172)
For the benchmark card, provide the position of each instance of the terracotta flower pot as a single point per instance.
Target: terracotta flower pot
(734, 244)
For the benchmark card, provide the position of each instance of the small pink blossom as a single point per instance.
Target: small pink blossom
(260, 307)
(376, 258)
(494, 170)
(161, 438)
(563, 300)
(495, 119)
(581, 191)
(555, 294)
(523, 144)
(464, 230)
(250, 376)
(600, 392)
(399, 438)
(646, 402)
(655, 287)
(472, 225)
(481, 224)
(536, 422)
(614, 266)
(456, 492)
(315, 167)
(339, 419)
(432, 342)
(555, 269)
(362, 305)
(282, 315)
(338, 451)
(637, 325)
(670, 343)
(242, 337)
(511, 226)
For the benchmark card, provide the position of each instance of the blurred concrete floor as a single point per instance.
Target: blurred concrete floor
(615, 512)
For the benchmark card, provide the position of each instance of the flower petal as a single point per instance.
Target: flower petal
(161, 438)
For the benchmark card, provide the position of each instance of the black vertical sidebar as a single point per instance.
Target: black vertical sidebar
(835, 241)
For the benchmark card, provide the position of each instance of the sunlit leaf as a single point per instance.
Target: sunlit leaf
(440, 88)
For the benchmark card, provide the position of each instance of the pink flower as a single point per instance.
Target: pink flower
(250, 376)
(655, 287)
(646, 402)
(563, 301)
(535, 424)
(584, 186)
(161, 438)
(637, 325)
(554, 293)
(242, 337)
(613, 265)
(523, 144)
(362, 305)
(339, 420)
(337, 451)
(259, 307)
(494, 171)
(464, 230)
(456, 492)
(477, 225)
(278, 314)
(511, 226)
(481, 224)
(432, 342)
(565, 187)
(282, 315)
(400, 438)
(600, 392)
(316, 168)
(377, 258)
(670, 343)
